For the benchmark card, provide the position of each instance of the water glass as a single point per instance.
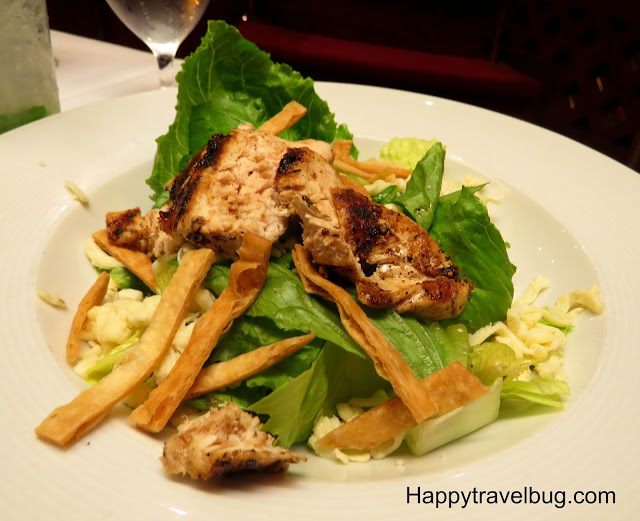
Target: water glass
(28, 88)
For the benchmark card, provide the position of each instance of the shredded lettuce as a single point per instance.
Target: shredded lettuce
(228, 81)
(164, 268)
(105, 365)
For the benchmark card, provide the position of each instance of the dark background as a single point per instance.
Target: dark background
(570, 66)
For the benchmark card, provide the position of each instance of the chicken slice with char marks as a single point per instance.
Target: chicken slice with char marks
(226, 189)
(390, 258)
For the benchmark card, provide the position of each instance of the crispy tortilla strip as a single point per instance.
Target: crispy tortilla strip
(388, 362)
(137, 261)
(246, 279)
(69, 422)
(449, 388)
(222, 374)
(93, 298)
(341, 166)
(342, 147)
(290, 114)
(371, 169)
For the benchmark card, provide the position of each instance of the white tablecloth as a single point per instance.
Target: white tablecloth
(90, 70)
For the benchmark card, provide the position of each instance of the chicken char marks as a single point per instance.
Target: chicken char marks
(390, 258)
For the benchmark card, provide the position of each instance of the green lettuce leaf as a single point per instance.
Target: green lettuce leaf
(284, 301)
(249, 333)
(387, 196)
(335, 376)
(228, 81)
(462, 228)
(426, 347)
(423, 189)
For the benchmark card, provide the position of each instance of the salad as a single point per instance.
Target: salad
(513, 347)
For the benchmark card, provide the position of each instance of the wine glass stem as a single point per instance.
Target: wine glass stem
(167, 71)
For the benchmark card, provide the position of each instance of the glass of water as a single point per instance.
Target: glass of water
(162, 25)
(28, 88)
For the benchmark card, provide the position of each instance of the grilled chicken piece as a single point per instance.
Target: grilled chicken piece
(133, 230)
(390, 258)
(226, 189)
(223, 441)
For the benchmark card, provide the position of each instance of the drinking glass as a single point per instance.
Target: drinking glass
(162, 25)
(28, 88)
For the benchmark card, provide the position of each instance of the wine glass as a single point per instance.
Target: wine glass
(162, 25)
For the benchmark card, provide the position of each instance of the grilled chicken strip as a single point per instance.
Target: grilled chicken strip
(390, 258)
(223, 441)
(226, 189)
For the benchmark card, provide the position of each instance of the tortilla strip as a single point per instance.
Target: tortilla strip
(137, 261)
(68, 423)
(449, 388)
(290, 114)
(387, 360)
(370, 169)
(93, 298)
(246, 279)
(342, 147)
(223, 374)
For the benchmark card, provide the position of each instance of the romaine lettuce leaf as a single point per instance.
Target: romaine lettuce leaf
(249, 333)
(228, 81)
(387, 196)
(426, 347)
(335, 376)
(423, 188)
(462, 228)
(284, 301)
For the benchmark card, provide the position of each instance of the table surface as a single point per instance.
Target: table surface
(89, 70)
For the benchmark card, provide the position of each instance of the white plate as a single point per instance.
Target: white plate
(580, 230)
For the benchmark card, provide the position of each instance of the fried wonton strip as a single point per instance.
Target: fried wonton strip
(246, 279)
(222, 374)
(387, 360)
(93, 298)
(290, 114)
(137, 261)
(71, 421)
(449, 388)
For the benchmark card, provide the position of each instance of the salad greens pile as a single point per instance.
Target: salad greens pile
(228, 81)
